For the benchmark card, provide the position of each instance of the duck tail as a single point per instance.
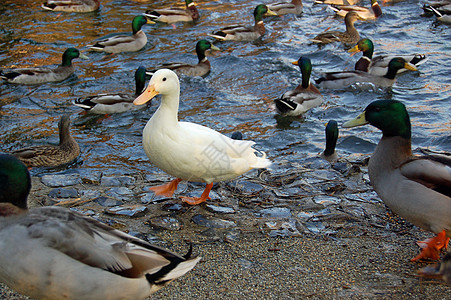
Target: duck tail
(261, 161)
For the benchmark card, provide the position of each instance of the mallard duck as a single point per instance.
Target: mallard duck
(329, 153)
(363, 12)
(173, 15)
(415, 187)
(124, 43)
(57, 253)
(339, 80)
(190, 151)
(304, 97)
(379, 64)
(442, 16)
(285, 8)
(51, 155)
(350, 36)
(440, 270)
(114, 103)
(337, 2)
(44, 74)
(202, 68)
(72, 5)
(243, 33)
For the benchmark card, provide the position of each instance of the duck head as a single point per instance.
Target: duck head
(164, 82)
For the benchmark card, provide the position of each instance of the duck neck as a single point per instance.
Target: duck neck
(390, 153)
(201, 55)
(259, 26)
(391, 73)
(167, 113)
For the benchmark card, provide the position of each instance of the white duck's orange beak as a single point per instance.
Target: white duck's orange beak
(147, 95)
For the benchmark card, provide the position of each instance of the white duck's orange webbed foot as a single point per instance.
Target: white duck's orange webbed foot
(167, 189)
(430, 248)
(197, 200)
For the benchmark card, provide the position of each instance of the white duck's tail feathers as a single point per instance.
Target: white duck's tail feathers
(261, 161)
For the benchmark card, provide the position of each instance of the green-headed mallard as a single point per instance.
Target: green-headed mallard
(350, 36)
(72, 5)
(304, 97)
(418, 188)
(124, 43)
(242, 33)
(57, 253)
(173, 15)
(379, 65)
(44, 74)
(190, 151)
(202, 68)
(339, 80)
(114, 103)
(285, 8)
(329, 152)
(337, 2)
(363, 12)
(51, 155)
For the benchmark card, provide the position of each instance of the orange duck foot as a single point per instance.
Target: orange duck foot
(197, 200)
(167, 189)
(431, 247)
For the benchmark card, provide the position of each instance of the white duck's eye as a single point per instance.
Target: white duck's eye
(164, 78)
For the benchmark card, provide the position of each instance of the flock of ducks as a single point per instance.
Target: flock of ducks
(80, 258)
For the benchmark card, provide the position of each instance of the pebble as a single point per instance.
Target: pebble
(212, 222)
(326, 200)
(117, 181)
(220, 209)
(245, 188)
(63, 193)
(90, 194)
(165, 222)
(120, 193)
(275, 212)
(127, 210)
(107, 201)
(61, 180)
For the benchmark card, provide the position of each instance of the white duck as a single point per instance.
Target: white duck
(56, 253)
(190, 151)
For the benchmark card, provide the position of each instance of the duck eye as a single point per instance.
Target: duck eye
(164, 78)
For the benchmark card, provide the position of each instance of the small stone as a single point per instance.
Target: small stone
(90, 194)
(107, 201)
(173, 207)
(117, 181)
(92, 178)
(220, 209)
(326, 200)
(61, 180)
(275, 212)
(152, 198)
(63, 193)
(212, 222)
(245, 187)
(167, 223)
(244, 263)
(121, 193)
(127, 210)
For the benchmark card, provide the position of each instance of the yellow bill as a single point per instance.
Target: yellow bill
(295, 63)
(410, 67)
(354, 50)
(359, 121)
(270, 13)
(147, 95)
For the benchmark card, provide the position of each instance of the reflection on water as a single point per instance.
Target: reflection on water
(236, 96)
